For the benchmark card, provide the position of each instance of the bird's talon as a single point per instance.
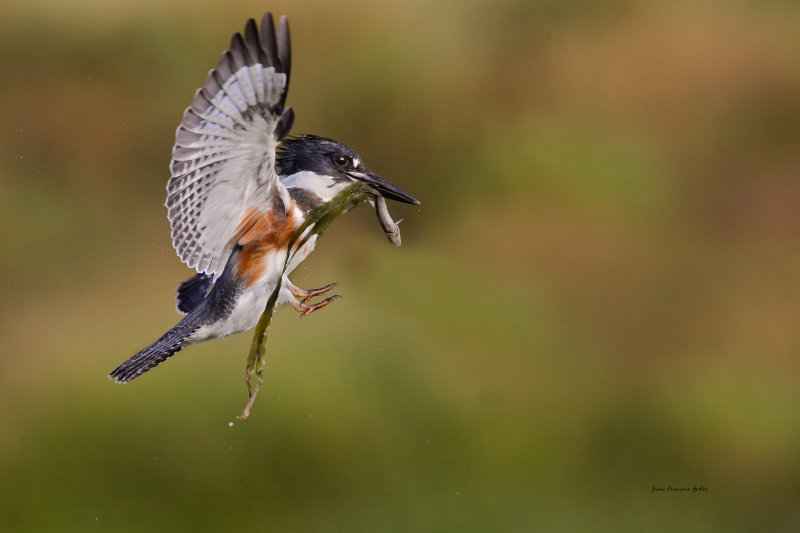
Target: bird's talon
(306, 294)
(311, 308)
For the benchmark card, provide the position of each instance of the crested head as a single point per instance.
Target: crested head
(325, 167)
(316, 154)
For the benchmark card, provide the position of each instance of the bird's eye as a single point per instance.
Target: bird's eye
(340, 160)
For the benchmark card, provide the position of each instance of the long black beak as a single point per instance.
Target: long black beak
(384, 188)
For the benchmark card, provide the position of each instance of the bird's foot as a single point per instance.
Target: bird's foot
(305, 309)
(302, 304)
(307, 294)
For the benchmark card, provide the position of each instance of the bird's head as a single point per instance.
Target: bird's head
(326, 167)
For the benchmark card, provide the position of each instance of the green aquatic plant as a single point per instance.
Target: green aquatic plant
(315, 223)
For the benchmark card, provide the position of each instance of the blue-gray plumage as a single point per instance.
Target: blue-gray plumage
(240, 189)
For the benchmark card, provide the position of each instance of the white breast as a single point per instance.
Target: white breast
(253, 300)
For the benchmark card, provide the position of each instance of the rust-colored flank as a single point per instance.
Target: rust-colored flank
(262, 232)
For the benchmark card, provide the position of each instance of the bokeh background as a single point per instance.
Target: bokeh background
(600, 294)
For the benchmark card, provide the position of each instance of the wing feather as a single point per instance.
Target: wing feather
(223, 161)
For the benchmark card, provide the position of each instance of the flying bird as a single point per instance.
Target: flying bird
(240, 188)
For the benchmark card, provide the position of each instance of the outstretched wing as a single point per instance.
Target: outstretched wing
(223, 162)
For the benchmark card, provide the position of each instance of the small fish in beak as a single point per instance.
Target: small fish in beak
(390, 228)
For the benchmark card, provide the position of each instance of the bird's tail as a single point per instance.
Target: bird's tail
(155, 354)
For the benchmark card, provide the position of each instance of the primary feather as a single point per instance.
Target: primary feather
(223, 161)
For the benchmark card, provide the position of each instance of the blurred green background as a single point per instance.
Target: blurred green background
(599, 295)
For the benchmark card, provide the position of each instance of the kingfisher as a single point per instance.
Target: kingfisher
(240, 187)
